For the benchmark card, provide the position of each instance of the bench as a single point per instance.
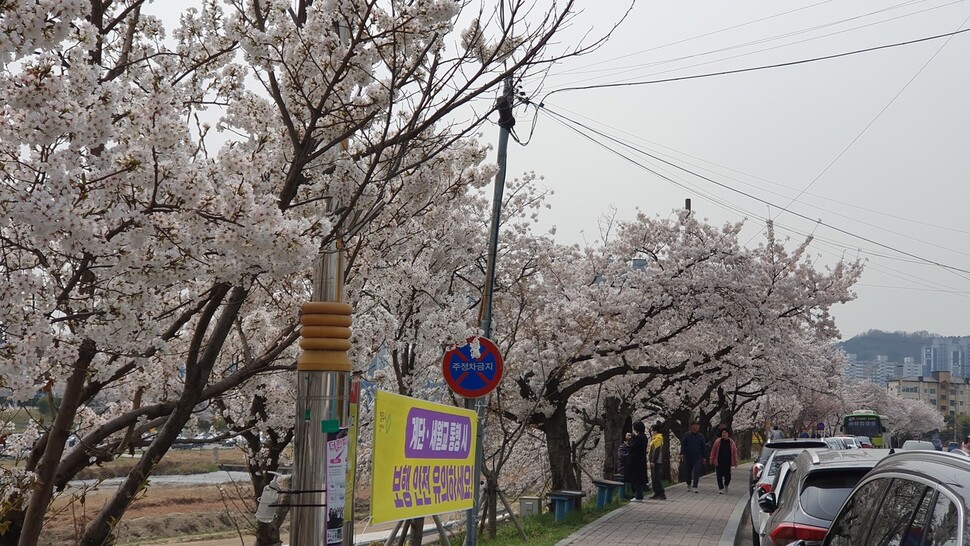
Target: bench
(627, 489)
(605, 489)
(565, 501)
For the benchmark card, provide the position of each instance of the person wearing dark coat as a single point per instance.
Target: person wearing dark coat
(693, 448)
(636, 468)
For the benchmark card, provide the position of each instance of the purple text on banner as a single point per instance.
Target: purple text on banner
(436, 435)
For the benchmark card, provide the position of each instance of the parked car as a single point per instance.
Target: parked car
(835, 442)
(918, 444)
(768, 481)
(758, 516)
(849, 441)
(784, 443)
(818, 484)
(909, 497)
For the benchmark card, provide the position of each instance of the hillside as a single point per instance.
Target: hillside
(895, 345)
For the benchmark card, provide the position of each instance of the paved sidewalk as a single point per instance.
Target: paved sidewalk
(696, 519)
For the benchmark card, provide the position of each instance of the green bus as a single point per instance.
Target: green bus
(867, 423)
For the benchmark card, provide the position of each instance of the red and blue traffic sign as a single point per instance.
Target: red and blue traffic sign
(474, 368)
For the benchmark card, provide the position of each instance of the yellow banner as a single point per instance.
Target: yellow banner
(424, 457)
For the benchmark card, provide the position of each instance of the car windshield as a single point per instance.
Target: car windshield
(824, 492)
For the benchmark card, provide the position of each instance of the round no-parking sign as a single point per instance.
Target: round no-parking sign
(474, 368)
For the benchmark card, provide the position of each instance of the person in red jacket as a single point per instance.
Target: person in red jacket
(724, 456)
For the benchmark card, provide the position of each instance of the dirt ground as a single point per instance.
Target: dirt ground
(163, 512)
(206, 515)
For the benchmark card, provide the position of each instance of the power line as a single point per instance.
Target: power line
(772, 182)
(792, 200)
(954, 269)
(704, 35)
(621, 70)
(866, 128)
(754, 68)
(839, 247)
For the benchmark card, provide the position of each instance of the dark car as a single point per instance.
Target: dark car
(909, 497)
(771, 446)
(820, 480)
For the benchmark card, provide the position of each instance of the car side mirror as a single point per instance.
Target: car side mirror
(768, 502)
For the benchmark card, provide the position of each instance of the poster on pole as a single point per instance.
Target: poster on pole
(424, 457)
(336, 456)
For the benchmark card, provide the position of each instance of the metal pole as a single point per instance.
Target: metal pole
(323, 396)
(506, 121)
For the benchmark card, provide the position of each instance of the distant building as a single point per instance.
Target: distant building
(947, 354)
(949, 394)
(876, 371)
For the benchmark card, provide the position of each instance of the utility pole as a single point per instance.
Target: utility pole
(505, 121)
(322, 400)
(323, 384)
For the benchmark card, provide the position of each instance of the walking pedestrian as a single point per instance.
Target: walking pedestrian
(724, 456)
(655, 454)
(776, 433)
(692, 451)
(636, 467)
(622, 461)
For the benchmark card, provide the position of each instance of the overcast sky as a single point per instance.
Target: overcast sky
(874, 145)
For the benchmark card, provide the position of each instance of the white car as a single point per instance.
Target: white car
(849, 441)
(918, 444)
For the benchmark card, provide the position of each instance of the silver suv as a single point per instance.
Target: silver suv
(910, 497)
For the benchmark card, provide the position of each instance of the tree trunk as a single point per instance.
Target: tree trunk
(744, 440)
(559, 449)
(56, 440)
(491, 499)
(268, 534)
(198, 369)
(616, 423)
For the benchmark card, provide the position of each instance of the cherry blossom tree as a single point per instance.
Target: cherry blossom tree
(158, 215)
(699, 306)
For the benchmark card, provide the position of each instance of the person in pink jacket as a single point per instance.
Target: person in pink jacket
(724, 456)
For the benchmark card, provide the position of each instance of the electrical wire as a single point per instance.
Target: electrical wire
(878, 115)
(754, 68)
(629, 68)
(622, 70)
(704, 35)
(755, 177)
(573, 124)
(839, 248)
(792, 200)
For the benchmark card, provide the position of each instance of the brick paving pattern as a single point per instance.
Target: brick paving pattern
(684, 519)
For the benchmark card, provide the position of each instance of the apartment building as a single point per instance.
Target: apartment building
(949, 394)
